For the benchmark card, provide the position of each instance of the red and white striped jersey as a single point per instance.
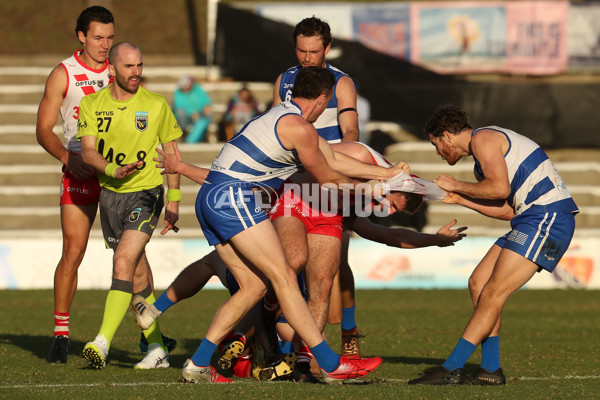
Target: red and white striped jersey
(81, 81)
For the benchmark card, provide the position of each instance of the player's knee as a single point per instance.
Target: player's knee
(122, 269)
(297, 263)
(72, 256)
(253, 291)
(475, 285)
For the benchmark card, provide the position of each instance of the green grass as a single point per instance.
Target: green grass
(550, 348)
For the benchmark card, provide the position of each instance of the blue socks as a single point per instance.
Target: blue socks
(163, 303)
(490, 353)
(201, 357)
(348, 321)
(327, 359)
(459, 355)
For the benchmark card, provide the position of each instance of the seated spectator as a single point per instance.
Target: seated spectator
(191, 106)
(241, 108)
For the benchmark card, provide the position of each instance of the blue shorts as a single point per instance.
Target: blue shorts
(226, 209)
(540, 237)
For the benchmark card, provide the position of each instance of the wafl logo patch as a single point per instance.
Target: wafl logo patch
(135, 214)
(141, 120)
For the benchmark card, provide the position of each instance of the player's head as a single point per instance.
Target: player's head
(403, 201)
(314, 83)
(95, 30)
(312, 41)
(446, 123)
(125, 65)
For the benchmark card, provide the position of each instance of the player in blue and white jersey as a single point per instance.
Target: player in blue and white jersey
(517, 182)
(312, 42)
(264, 153)
(338, 123)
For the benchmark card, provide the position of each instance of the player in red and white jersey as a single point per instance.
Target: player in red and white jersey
(85, 72)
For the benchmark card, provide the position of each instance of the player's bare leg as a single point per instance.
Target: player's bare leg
(350, 336)
(510, 273)
(321, 268)
(76, 222)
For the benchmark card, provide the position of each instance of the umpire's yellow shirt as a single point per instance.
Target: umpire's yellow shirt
(126, 132)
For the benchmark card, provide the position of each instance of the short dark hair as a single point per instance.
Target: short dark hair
(313, 26)
(93, 14)
(449, 118)
(413, 202)
(312, 82)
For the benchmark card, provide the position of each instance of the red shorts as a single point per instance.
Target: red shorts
(316, 222)
(79, 192)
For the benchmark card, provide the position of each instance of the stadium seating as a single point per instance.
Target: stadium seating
(29, 177)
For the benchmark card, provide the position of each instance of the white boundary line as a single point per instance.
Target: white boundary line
(382, 380)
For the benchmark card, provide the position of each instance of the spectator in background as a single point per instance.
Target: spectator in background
(192, 108)
(241, 108)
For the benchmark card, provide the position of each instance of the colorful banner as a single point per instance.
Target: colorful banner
(459, 37)
(516, 37)
(384, 28)
(375, 266)
(584, 34)
(536, 37)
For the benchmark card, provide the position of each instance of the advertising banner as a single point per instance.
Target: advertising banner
(459, 36)
(584, 34)
(536, 37)
(375, 266)
(384, 28)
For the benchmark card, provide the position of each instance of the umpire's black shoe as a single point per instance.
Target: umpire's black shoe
(483, 377)
(439, 376)
(59, 350)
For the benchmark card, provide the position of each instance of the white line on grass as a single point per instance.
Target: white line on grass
(42, 386)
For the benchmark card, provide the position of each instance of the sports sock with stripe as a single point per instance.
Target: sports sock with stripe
(61, 324)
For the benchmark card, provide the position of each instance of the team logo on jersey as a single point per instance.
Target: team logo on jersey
(141, 120)
(100, 83)
(135, 214)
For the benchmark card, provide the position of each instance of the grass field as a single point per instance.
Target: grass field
(550, 349)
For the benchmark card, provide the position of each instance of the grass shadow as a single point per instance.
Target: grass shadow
(39, 346)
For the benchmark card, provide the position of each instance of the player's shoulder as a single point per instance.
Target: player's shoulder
(338, 73)
(292, 70)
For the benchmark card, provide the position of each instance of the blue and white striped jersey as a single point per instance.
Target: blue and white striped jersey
(327, 124)
(255, 154)
(535, 184)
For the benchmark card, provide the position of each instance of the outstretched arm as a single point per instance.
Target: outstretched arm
(92, 157)
(174, 164)
(498, 209)
(406, 238)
